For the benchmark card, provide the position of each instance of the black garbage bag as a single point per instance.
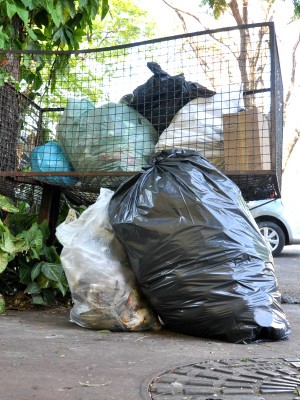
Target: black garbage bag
(196, 251)
(163, 95)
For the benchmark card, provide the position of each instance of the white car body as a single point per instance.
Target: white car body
(273, 210)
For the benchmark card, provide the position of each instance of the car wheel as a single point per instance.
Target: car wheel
(274, 236)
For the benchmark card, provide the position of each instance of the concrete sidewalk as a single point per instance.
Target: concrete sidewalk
(45, 356)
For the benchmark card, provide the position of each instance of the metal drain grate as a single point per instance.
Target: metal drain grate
(236, 379)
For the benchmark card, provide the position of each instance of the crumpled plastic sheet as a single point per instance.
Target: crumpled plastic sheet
(103, 287)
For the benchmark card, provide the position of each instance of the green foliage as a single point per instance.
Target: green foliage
(219, 7)
(42, 25)
(47, 23)
(125, 22)
(26, 262)
(62, 25)
(7, 206)
(296, 8)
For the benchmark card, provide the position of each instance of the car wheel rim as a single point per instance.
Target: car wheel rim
(271, 237)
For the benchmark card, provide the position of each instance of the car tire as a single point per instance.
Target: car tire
(274, 235)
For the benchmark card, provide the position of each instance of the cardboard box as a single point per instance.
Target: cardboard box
(247, 145)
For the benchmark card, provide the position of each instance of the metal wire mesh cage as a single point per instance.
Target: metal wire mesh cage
(99, 115)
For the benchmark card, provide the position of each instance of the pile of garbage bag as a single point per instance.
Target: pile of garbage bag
(166, 112)
(196, 251)
(175, 245)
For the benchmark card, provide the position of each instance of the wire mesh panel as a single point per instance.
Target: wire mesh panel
(104, 113)
(19, 122)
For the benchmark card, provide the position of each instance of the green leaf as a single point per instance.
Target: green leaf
(26, 3)
(70, 37)
(7, 205)
(104, 8)
(43, 281)
(54, 15)
(26, 61)
(83, 3)
(39, 34)
(78, 34)
(32, 34)
(33, 287)
(4, 259)
(49, 297)
(25, 274)
(2, 304)
(44, 228)
(11, 245)
(17, 44)
(36, 270)
(52, 271)
(3, 38)
(23, 206)
(37, 299)
(38, 81)
(66, 9)
(90, 8)
(59, 36)
(20, 222)
(64, 281)
(34, 240)
(2, 41)
(23, 14)
(51, 254)
(63, 289)
(11, 9)
(3, 228)
(7, 244)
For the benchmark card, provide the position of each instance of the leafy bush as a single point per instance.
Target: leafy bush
(27, 263)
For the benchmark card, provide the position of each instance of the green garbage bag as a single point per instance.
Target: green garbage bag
(110, 138)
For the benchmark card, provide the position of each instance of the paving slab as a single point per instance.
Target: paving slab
(45, 356)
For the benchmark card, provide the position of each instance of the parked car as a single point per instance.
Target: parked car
(278, 224)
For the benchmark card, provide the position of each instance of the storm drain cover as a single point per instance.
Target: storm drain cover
(238, 379)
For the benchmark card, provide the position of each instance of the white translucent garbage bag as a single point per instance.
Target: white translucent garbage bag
(199, 125)
(103, 288)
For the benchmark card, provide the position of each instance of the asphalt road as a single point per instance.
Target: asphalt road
(287, 271)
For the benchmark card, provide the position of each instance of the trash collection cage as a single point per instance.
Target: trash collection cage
(103, 113)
